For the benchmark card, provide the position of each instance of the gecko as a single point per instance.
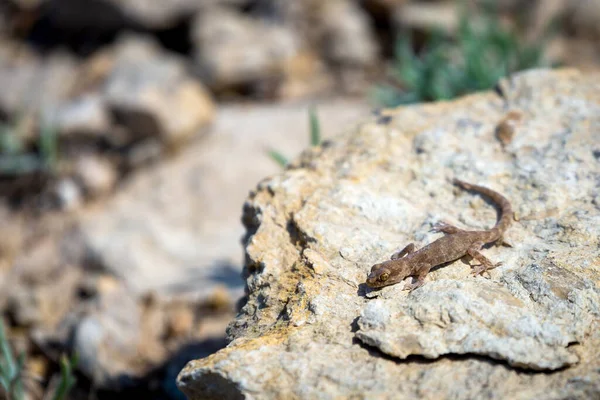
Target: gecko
(455, 244)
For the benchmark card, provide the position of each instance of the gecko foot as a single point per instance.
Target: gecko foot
(480, 269)
(412, 286)
(405, 251)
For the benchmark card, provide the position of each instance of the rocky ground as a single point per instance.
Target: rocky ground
(131, 133)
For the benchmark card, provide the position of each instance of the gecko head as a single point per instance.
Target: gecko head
(387, 273)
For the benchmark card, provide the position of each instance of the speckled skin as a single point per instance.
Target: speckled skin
(454, 245)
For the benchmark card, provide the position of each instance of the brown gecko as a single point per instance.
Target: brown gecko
(454, 245)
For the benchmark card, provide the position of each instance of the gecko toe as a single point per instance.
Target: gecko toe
(479, 269)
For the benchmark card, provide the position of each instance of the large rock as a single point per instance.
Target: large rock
(152, 94)
(309, 327)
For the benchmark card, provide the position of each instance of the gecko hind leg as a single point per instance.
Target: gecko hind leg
(445, 227)
(410, 248)
(485, 264)
(502, 242)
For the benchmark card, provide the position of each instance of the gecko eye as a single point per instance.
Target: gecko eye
(384, 277)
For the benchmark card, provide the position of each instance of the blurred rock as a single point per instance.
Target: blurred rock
(151, 94)
(232, 49)
(41, 284)
(96, 175)
(121, 337)
(145, 152)
(33, 84)
(583, 18)
(11, 239)
(83, 116)
(388, 5)
(106, 338)
(349, 39)
(426, 16)
(305, 75)
(180, 321)
(67, 194)
(349, 42)
(161, 14)
(94, 71)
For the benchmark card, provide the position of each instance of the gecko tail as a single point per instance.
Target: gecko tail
(462, 184)
(506, 213)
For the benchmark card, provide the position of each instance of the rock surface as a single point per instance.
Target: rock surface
(309, 327)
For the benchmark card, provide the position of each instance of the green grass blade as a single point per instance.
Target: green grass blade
(48, 146)
(67, 379)
(8, 362)
(16, 384)
(278, 158)
(315, 127)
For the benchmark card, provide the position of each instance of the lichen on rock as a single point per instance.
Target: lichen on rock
(310, 328)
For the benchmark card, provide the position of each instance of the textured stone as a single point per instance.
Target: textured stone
(309, 328)
(478, 318)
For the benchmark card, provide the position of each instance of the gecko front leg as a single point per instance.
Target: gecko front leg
(421, 274)
(445, 227)
(407, 250)
(484, 263)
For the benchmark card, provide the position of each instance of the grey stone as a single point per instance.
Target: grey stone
(309, 328)
(86, 116)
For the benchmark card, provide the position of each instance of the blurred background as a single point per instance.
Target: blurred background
(131, 132)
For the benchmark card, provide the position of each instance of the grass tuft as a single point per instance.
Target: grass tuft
(447, 68)
(16, 160)
(12, 372)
